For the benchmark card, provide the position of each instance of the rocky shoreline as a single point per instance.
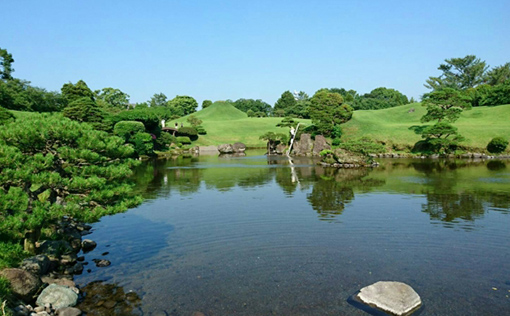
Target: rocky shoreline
(43, 284)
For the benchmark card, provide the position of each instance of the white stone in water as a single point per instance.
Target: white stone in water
(395, 297)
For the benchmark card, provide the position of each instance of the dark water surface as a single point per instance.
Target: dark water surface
(255, 236)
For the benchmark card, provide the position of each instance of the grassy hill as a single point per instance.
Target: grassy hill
(478, 125)
(226, 124)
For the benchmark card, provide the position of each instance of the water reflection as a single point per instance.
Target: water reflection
(454, 190)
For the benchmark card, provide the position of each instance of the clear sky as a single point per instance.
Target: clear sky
(256, 49)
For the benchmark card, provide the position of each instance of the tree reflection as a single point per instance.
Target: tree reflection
(334, 188)
(449, 204)
(449, 207)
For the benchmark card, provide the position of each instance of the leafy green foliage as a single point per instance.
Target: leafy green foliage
(16, 94)
(184, 140)
(72, 92)
(327, 109)
(206, 103)
(363, 146)
(147, 116)
(379, 98)
(194, 121)
(442, 136)
(51, 166)
(158, 99)
(287, 122)
(183, 104)
(459, 74)
(112, 98)
(84, 110)
(127, 129)
(5, 116)
(6, 61)
(164, 140)
(201, 130)
(11, 255)
(498, 75)
(252, 105)
(285, 102)
(275, 138)
(445, 104)
(143, 142)
(190, 132)
(497, 145)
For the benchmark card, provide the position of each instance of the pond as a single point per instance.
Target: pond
(261, 235)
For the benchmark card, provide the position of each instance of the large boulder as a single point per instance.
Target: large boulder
(239, 147)
(304, 146)
(225, 149)
(58, 296)
(37, 265)
(319, 145)
(396, 298)
(23, 283)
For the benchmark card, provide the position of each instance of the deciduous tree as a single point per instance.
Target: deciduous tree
(328, 109)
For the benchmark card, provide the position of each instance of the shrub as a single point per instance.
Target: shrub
(126, 129)
(143, 143)
(336, 142)
(190, 132)
(184, 140)
(201, 130)
(206, 103)
(5, 116)
(164, 140)
(250, 113)
(149, 119)
(497, 145)
(363, 145)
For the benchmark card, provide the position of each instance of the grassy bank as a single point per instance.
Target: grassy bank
(478, 125)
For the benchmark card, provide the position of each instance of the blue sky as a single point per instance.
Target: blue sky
(221, 50)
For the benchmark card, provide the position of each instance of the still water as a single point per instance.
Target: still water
(263, 236)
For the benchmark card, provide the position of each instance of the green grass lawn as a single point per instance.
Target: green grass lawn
(226, 125)
(478, 125)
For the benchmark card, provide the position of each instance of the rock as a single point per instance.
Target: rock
(43, 313)
(55, 248)
(303, 146)
(239, 147)
(68, 311)
(37, 265)
(82, 227)
(159, 313)
(319, 145)
(58, 296)
(198, 314)
(208, 150)
(23, 283)
(225, 149)
(396, 298)
(101, 263)
(88, 245)
(281, 149)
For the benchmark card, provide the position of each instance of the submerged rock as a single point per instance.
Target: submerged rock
(396, 298)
